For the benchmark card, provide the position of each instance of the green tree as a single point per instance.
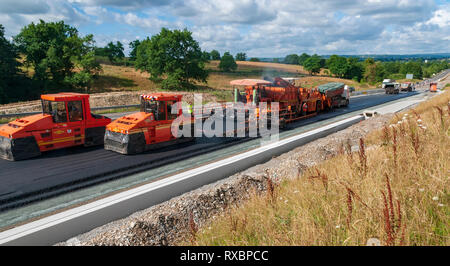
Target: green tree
(291, 59)
(206, 56)
(354, 69)
(227, 62)
(174, 55)
(370, 71)
(323, 62)
(373, 71)
(215, 55)
(337, 65)
(133, 46)
(89, 67)
(302, 58)
(241, 57)
(114, 51)
(9, 68)
(380, 72)
(434, 67)
(254, 59)
(53, 49)
(412, 67)
(392, 67)
(312, 64)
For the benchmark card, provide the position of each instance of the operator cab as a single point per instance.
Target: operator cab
(63, 111)
(160, 105)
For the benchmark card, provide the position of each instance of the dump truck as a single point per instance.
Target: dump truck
(150, 128)
(406, 86)
(391, 87)
(66, 120)
(334, 94)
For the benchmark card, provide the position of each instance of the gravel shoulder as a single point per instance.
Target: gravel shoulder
(171, 222)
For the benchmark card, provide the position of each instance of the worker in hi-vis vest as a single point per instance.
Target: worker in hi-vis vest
(305, 108)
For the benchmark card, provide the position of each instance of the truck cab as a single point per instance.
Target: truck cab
(433, 87)
(66, 120)
(406, 86)
(148, 129)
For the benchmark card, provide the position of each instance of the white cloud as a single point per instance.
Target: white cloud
(441, 17)
(257, 27)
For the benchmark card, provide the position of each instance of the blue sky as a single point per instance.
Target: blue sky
(259, 28)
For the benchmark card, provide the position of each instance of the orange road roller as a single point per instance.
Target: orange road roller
(150, 128)
(66, 121)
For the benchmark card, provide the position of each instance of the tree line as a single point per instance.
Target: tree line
(369, 70)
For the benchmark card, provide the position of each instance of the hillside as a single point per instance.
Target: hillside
(119, 78)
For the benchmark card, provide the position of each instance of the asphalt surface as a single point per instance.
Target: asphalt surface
(64, 170)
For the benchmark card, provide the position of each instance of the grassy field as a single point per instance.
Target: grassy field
(119, 78)
(312, 82)
(393, 191)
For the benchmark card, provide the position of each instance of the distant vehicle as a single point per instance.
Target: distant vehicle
(407, 86)
(391, 88)
(433, 87)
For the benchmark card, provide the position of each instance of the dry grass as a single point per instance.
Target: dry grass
(276, 66)
(311, 82)
(120, 78)
(395, 190)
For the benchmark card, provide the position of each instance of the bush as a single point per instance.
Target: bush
(227, 62)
